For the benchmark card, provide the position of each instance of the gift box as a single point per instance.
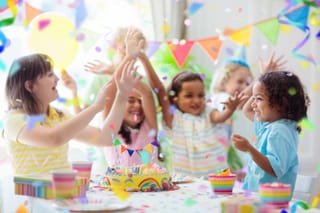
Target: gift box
(40, 186)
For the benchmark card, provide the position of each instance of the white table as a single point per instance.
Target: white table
(190, 197)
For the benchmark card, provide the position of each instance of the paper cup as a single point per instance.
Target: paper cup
(83, 169)
(63, 183)
(222, 184)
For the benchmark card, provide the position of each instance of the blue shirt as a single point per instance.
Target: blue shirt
(278, 141)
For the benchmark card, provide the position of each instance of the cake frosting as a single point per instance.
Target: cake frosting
(277, 194)
(145, 178)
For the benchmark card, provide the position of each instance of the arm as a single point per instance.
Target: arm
(71, 84)
(45, 136)
(124, 81)
(262, 161)
(148, 104)
(158, 87)
(133, 46)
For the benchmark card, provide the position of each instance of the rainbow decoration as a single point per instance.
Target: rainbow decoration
(222, 184)
(41, 186)
(149, 183)
(276, 194)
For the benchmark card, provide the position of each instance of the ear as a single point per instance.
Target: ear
(28, 86)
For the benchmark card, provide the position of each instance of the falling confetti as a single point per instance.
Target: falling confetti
(121, 194)
(189, 202)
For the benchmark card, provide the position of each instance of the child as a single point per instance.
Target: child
(38, 134)
(138, 130)
(234, 76)
(196, 150)
(106, 70)
(277, 104)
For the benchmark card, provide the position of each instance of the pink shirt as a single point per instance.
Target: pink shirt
(141, 148)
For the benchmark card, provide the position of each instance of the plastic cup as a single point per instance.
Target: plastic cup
(83, 169)
(63, 183)
(222, 184)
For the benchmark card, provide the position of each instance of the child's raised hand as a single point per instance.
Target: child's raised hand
(240, 142)
(96, 66)
(134, 43)
(126, 79)
(235, 100)
(273, 64)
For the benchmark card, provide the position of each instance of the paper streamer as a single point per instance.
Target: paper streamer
(301, 26)
(315, 201)
(300, 204)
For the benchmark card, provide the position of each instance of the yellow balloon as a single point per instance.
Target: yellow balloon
(53, 34)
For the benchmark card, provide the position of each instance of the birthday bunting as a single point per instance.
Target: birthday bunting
(211, 46)
(242, 36)
(30, 12)
(270, 29)
(180, 51)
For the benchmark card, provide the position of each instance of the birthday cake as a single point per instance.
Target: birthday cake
(145, 178)
(276, 194)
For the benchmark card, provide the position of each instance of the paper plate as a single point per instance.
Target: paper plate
(180, 178)
(90, 205)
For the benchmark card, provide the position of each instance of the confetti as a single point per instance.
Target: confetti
(189, 202)
(121, 194)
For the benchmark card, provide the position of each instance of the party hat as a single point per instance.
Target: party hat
(239, 57)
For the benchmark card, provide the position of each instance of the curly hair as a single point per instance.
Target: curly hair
(286, 92)
(176, 84)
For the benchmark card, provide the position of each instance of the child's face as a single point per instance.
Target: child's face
(45, 88)
(238, 80)
(134, 112)
(261, 106)
(191, 98)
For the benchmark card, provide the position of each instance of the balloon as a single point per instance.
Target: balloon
(53, 34)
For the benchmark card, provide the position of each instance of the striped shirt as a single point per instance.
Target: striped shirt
(30, 159)
(195, 145)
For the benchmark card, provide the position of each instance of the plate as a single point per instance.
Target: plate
(90, 205)
(180, 178)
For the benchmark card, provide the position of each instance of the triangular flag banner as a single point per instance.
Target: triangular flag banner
(228, 31)
(148, 148)
(116, 142)
(242, 36)
(270, 29)
(130, 152)
(194, 7)
(144, 155)
(152, 47)
(299, 17)
(31, 12)
(211, 46)
(123, 148)
(180, 51)
(155, 143)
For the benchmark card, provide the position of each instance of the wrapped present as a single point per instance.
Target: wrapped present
(40, 185)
